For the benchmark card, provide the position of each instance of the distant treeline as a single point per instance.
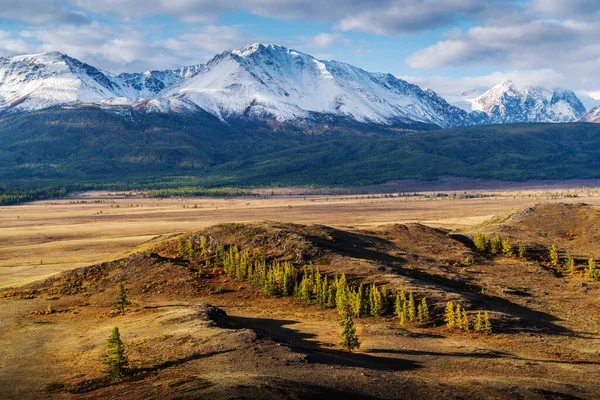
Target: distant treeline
(196, 191)
(15, 196)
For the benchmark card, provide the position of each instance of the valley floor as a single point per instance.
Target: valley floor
(546, 321)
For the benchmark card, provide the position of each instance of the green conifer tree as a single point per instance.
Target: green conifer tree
(191, 251)
(349, 338)
(341, 295)
(553, 256)
(180, 248)
(496, 245)
(423, 311)
(412, 312)
(115, 360)
(480, 242)
(522, 251)
(507, 248)
(49, 310)
(458, 321)
(305, 289)
(122, 299)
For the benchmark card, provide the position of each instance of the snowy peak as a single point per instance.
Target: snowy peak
(271, 82)
(37, 81)
(592, 116)
(507, 103)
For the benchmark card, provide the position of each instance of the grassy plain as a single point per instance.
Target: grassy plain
(545, 320)
(42, 238)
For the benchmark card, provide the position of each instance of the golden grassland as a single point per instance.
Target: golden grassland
(42, 238)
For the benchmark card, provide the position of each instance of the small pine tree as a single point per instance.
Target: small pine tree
(341, 295)
(522, 251)
(349, 337)
(591, 271)
(180, 248)
(458, 321)
(399, 310)
(49, 310)
(115, 360)
(507, 248)
(480, 242)
(449, 315)
(478, 326)
(423, 311)
(570, 263)
(465, 321)
(411, 309)
(487, 325)
(305, 289)
(496, 245)
(191, 250)
(204, 251)
(553, 256)
(122, 299)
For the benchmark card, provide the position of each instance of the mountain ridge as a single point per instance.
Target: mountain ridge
(273, 85)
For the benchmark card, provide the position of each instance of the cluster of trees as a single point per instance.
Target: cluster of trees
(195, 191)
(498, 246)
(568, 263)
(18, 195)
(405, 308)
(456, 317)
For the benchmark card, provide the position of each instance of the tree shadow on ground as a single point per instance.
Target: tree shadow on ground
(279, 331)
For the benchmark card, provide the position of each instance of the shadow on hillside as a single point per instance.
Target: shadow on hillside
(279, 331)
(489, 354)
(368, 247)
(358, 245)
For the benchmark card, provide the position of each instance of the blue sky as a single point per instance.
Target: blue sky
(448, 45)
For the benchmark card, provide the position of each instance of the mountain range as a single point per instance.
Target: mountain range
(274, 86)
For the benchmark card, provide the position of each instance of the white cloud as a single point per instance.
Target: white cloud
(536, 44)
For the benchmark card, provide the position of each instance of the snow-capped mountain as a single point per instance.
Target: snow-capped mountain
(592, 116)
(38, 81)
(272, 83)
(277, 83)
(464, 99)
(506, 103)
(33, 82)
(150, 83)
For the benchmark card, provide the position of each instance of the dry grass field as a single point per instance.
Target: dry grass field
(42, 238)
(546, 321)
